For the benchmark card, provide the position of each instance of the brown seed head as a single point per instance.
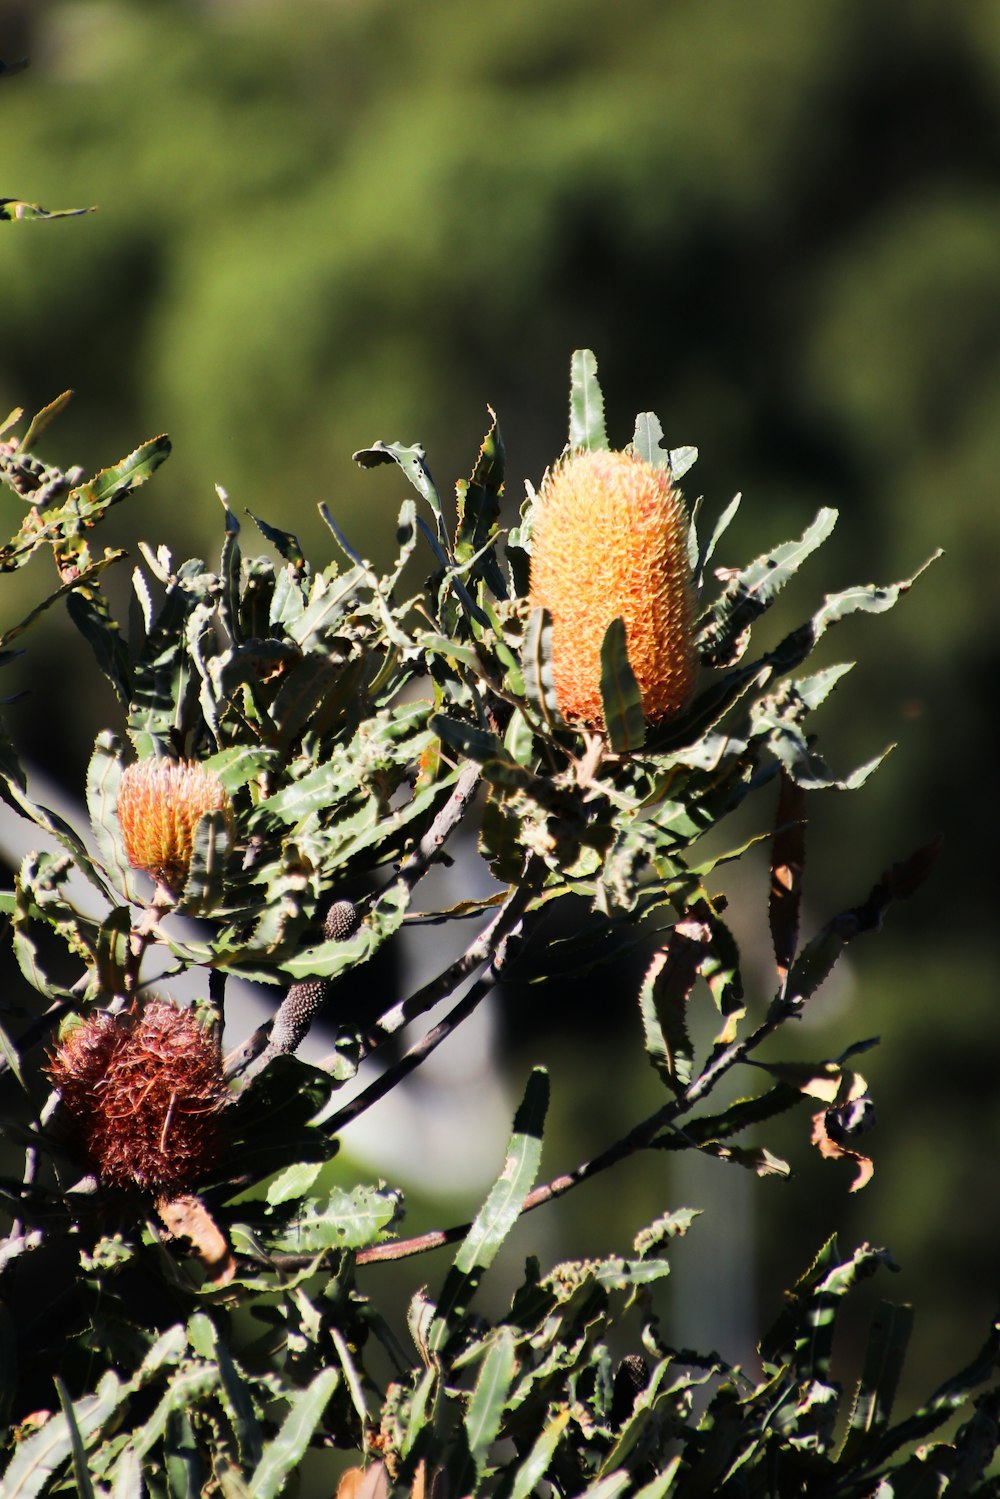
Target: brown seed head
(159, 804)
(610, 540)
(143, 1091)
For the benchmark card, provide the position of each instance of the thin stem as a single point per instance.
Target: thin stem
(640, 1137)
(497, 935)
(439, 987)
(440, 830)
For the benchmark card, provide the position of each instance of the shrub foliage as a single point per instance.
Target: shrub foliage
(182, 1317)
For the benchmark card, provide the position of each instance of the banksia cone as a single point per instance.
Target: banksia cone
(143, 1091)
(610, 540)
(305, 999)
(159, 804)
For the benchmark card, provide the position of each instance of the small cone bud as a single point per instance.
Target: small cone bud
(159, 804)
(143, 1092)
(610, 540)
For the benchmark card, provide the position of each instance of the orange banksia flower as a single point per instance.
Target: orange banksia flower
(610, 540)
(159, 804)
(143, 1091)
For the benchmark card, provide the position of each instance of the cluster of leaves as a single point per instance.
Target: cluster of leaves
(353, 726)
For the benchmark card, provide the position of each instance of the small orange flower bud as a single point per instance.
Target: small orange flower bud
(143, 1091)
(159, 804)
(610, 540)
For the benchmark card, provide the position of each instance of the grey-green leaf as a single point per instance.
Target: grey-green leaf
(284, 1453)
(586, 404)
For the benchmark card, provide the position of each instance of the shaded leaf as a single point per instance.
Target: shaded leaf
(620, 696)
(888, 1339)
(479, 510)
(285, 543)
(663, 999)
(788, 857)
(723, 632)
(525, 1478)
(536, 665)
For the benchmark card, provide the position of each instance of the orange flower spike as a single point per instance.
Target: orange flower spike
(159, 804)
(610, 540)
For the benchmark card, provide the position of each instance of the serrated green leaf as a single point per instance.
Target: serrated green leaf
(237, 1401)
(104, 773)
(452, 650)
(274, 1121)
(535, 1466)
(647, 438)
(479, 512)
(282, 1455)
(240, 764)
(349, 1220)
(41, 1456)
(888, 1340)
(487, 1404)
(113, 950)
(620, 695)
(412, 462)
(285, 543)
(304, 688)
(663, 1001)
(536, 665)
(722, 632)
(42, 418)
(609, 1487)
(681, 459)
(586, 404)
(128, 1483)
(499, 1212)
(475, 744)
(503, 1205)
(293, 1183)
(722, 525)
(210, 852)
(69, 590)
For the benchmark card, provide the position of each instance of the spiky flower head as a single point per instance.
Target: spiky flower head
(143, 1092)
(159, 804)
(610, 540)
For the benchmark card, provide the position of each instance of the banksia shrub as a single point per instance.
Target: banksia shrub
(365, 731)
(142, 1092)
(159, 805)
(610, 540)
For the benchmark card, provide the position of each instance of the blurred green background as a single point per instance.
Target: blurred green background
(778, 226)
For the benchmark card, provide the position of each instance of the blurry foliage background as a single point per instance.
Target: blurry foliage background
(777, 225)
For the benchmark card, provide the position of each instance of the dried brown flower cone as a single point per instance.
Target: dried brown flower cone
(610, 540)
(143, 1092)
(159, 804)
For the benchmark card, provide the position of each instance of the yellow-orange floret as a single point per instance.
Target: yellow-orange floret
(159, 804)
(610, 540)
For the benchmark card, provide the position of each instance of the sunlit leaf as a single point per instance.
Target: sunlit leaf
(586, 404)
